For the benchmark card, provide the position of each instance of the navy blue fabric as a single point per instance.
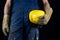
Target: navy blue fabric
(17, 35)
(19, 19)
(20, 12)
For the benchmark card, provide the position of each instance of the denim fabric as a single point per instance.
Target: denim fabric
(17, 35)
(19, 19)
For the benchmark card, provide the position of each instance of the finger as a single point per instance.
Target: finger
(4, 31)
(41, 20)
(41, 17)
(7, 29)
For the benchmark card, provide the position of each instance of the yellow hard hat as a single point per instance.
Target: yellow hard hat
(34, 15)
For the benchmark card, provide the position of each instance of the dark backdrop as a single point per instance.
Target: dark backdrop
(49, 31)
(2, 3)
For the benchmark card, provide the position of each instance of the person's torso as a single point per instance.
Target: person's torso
(22, 4)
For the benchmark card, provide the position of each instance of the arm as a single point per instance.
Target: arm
(6, 17)
(48, 11)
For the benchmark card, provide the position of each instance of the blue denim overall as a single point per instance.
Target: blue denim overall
(20, 19)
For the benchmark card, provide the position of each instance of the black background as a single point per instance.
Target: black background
(49, 31)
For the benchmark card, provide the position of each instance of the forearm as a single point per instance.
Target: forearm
(6, 14)
(46, 4)
(7, 8)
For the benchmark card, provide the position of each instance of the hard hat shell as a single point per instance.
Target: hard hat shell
(34, 15)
